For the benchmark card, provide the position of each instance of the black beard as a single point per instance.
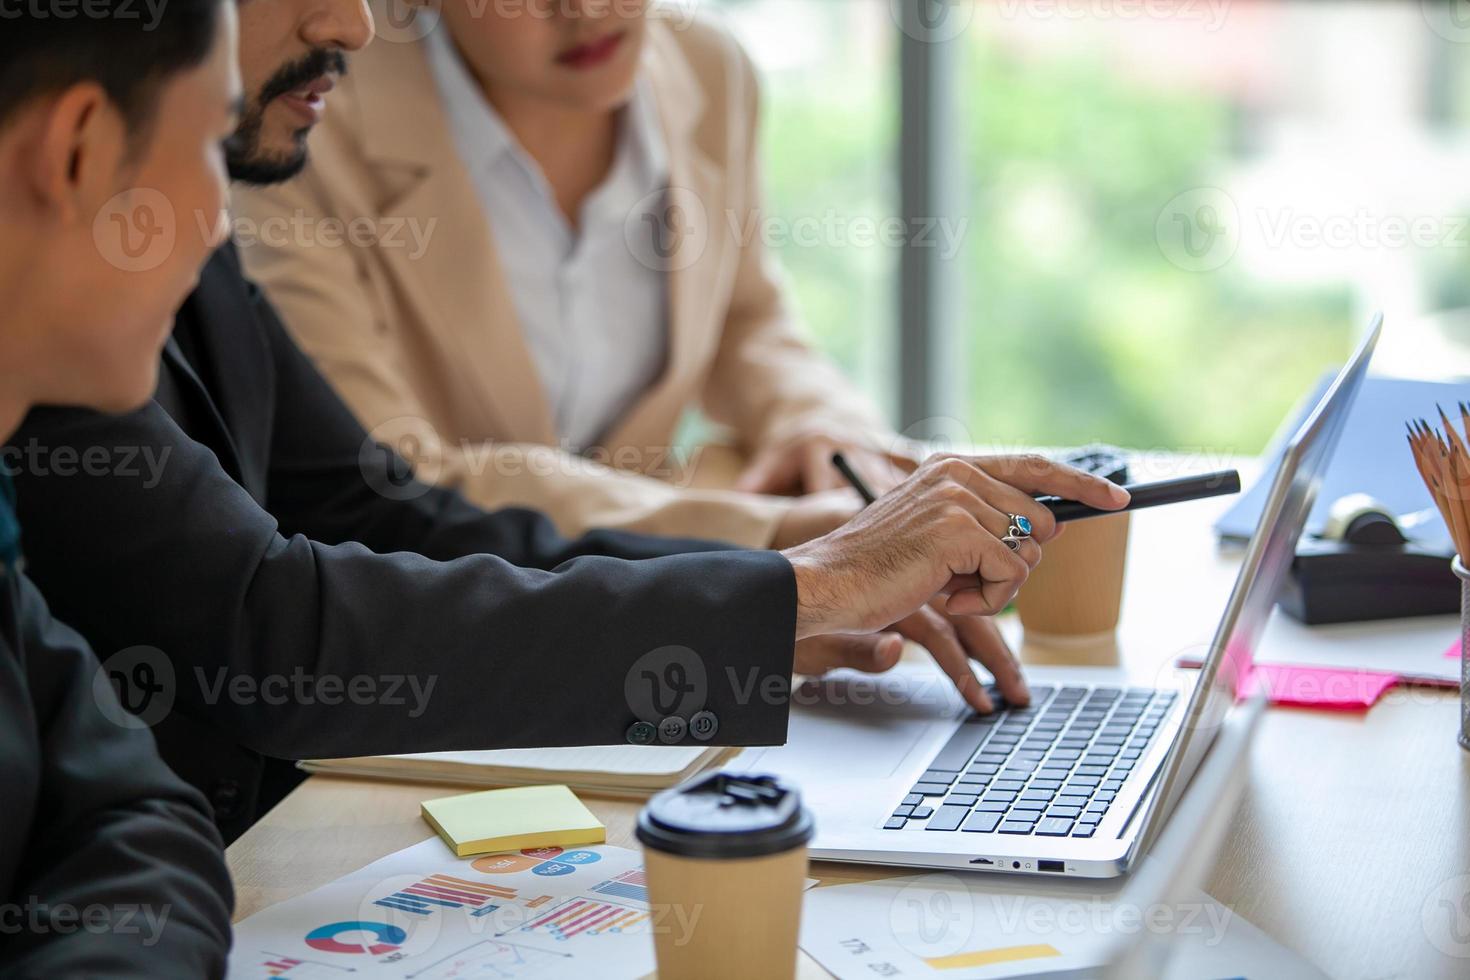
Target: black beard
(245, 159)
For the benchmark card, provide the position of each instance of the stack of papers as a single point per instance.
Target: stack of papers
(990, 927)
(423, 913)
(627, 771)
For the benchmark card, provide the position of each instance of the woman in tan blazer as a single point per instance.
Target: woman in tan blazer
(523, 250)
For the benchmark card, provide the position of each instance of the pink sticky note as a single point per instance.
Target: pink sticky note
(1318, 687)
(1453, 653)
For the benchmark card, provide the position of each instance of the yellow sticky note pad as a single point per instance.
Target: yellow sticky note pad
(511, 819)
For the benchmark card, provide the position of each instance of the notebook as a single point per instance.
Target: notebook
(627, 771)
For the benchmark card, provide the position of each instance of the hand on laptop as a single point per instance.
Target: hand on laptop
(937, 535)
(954, 641)
(951, 640)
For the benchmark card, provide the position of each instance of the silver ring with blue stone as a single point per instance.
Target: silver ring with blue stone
(1020, 527)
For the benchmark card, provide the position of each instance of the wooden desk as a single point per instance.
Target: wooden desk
(1355, 828)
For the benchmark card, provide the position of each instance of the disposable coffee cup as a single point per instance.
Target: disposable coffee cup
(1077, 590)
(726, 862)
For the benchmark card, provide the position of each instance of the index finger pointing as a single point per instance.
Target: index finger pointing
(1038, 475)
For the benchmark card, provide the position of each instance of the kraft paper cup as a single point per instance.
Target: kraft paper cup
(726, 862)
(1077, 589)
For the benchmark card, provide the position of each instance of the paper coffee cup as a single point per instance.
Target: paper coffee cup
(1077, 590)
(726, 862)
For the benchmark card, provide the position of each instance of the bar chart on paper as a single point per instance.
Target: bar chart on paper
(630, 884)
(293, 968)
(447, 892)
(423, 914)
(586, 916)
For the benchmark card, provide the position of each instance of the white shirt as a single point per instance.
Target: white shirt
(594, 318)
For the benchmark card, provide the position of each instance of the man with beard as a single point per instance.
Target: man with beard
(310, 599)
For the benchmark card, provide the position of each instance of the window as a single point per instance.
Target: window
(1167, 221)
(830, 90)
(1178, 222)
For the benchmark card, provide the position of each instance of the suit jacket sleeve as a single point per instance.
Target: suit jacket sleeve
(767, 383)
(510, 635)
(268, 631)
(331, 311)
(116, 835)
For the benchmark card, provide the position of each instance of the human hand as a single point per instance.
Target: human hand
(814, 515)
(872, 653)
(939, 533)
(954, 641)
(804, 465)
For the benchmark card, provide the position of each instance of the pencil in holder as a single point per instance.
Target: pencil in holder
(1464, 575)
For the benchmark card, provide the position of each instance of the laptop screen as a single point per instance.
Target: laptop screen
(1227, 668)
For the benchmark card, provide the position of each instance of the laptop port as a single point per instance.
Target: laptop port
(981, 861)
(1056, 866)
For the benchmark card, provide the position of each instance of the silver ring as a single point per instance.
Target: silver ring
(1020, 526)
(1012, 542)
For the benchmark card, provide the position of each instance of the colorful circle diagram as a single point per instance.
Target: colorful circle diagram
(504, 864)
(553, 869)
(324, 938)
(537, 860)
(568, 863)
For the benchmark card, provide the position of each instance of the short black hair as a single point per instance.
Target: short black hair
(128, 47)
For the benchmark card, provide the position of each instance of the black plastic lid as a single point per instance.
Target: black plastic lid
(726, 815)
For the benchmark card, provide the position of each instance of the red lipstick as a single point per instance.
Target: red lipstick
(592, 54)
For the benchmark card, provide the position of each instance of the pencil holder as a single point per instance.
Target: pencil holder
(1464, 575)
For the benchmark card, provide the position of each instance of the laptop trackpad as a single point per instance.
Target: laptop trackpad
(861, 726)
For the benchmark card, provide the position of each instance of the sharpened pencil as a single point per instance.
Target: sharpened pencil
(1443, 461)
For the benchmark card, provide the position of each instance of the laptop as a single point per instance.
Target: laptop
(1176, 866)
(898, 771)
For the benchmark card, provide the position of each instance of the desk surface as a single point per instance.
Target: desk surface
(1352, 845)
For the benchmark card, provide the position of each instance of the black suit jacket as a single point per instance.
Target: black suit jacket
(244, 525)
(109, 865)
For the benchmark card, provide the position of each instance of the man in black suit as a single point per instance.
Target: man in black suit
(110, 865)
(309, 600)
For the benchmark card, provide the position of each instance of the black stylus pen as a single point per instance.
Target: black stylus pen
(850, 475)
(1174, 491)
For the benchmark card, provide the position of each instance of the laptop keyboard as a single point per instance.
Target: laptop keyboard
(1051, 769)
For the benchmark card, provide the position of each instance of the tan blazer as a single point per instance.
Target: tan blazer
(423, 341)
